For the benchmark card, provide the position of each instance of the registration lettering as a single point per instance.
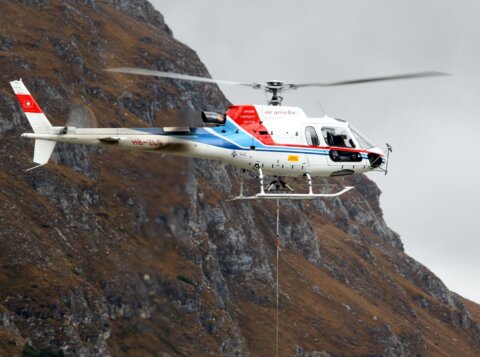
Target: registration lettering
(149, 142)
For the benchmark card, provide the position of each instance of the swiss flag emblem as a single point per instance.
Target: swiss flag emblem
(28, 103)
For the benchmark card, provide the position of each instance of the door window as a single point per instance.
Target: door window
(311, 136)
(339, 137)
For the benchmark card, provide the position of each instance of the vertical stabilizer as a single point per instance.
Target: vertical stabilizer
(43, 151)
(38, 121)
(34, 114)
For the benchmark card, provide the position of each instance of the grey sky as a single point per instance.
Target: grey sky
(432, 192)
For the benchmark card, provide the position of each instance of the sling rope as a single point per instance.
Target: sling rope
(310, 204)
(277, 243)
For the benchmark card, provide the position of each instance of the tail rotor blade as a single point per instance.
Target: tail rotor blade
(80, 117)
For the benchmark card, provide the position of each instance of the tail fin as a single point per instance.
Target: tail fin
(34, 114)
(38, 122)
(43, 151)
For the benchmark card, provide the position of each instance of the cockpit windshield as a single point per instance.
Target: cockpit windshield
(361, 139)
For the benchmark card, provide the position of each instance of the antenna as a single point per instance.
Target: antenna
(321, 107)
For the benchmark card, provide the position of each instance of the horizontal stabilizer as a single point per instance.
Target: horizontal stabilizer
(110, 139)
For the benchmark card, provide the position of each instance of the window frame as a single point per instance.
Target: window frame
(309, 130)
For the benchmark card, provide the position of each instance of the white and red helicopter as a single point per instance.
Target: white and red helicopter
(270, 140)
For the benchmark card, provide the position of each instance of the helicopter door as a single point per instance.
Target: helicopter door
(289, 156)
(316, 157)
(342, 147)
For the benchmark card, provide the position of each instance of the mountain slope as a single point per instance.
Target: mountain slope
(107, 252)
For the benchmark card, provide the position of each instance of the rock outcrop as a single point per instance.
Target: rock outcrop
(107, 252)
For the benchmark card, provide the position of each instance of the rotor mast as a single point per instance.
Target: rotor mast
(275, 88)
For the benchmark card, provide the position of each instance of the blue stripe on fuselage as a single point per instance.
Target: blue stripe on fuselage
(233, 137)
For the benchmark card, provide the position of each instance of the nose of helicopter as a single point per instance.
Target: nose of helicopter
(379, 158)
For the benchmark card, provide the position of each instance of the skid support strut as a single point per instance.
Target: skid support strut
(260, 176)
(285, 194)
(309, 180)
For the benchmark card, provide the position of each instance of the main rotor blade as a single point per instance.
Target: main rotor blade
(149, 72)
(372, 79)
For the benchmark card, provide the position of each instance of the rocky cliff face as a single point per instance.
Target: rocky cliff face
(108, 252)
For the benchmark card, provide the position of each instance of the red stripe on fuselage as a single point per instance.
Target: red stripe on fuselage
(28, 103)
(246, 116)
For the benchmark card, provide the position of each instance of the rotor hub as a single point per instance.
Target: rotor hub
(275, 84)
(275, 87)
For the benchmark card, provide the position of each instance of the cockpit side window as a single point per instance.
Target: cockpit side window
(311, 136)
(339, 137)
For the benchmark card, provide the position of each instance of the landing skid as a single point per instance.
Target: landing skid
(290, 196)
(278, 190)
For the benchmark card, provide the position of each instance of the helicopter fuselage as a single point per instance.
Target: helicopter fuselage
(282, 141)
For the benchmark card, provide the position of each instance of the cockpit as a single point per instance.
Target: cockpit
(337, 136)
(341, 137)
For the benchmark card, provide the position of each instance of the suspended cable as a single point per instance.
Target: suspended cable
(310, 204)
(278, 281)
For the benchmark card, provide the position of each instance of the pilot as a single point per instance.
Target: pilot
(344, 140)
(339, 140)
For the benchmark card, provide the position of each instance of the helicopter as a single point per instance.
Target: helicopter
(271, 139)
